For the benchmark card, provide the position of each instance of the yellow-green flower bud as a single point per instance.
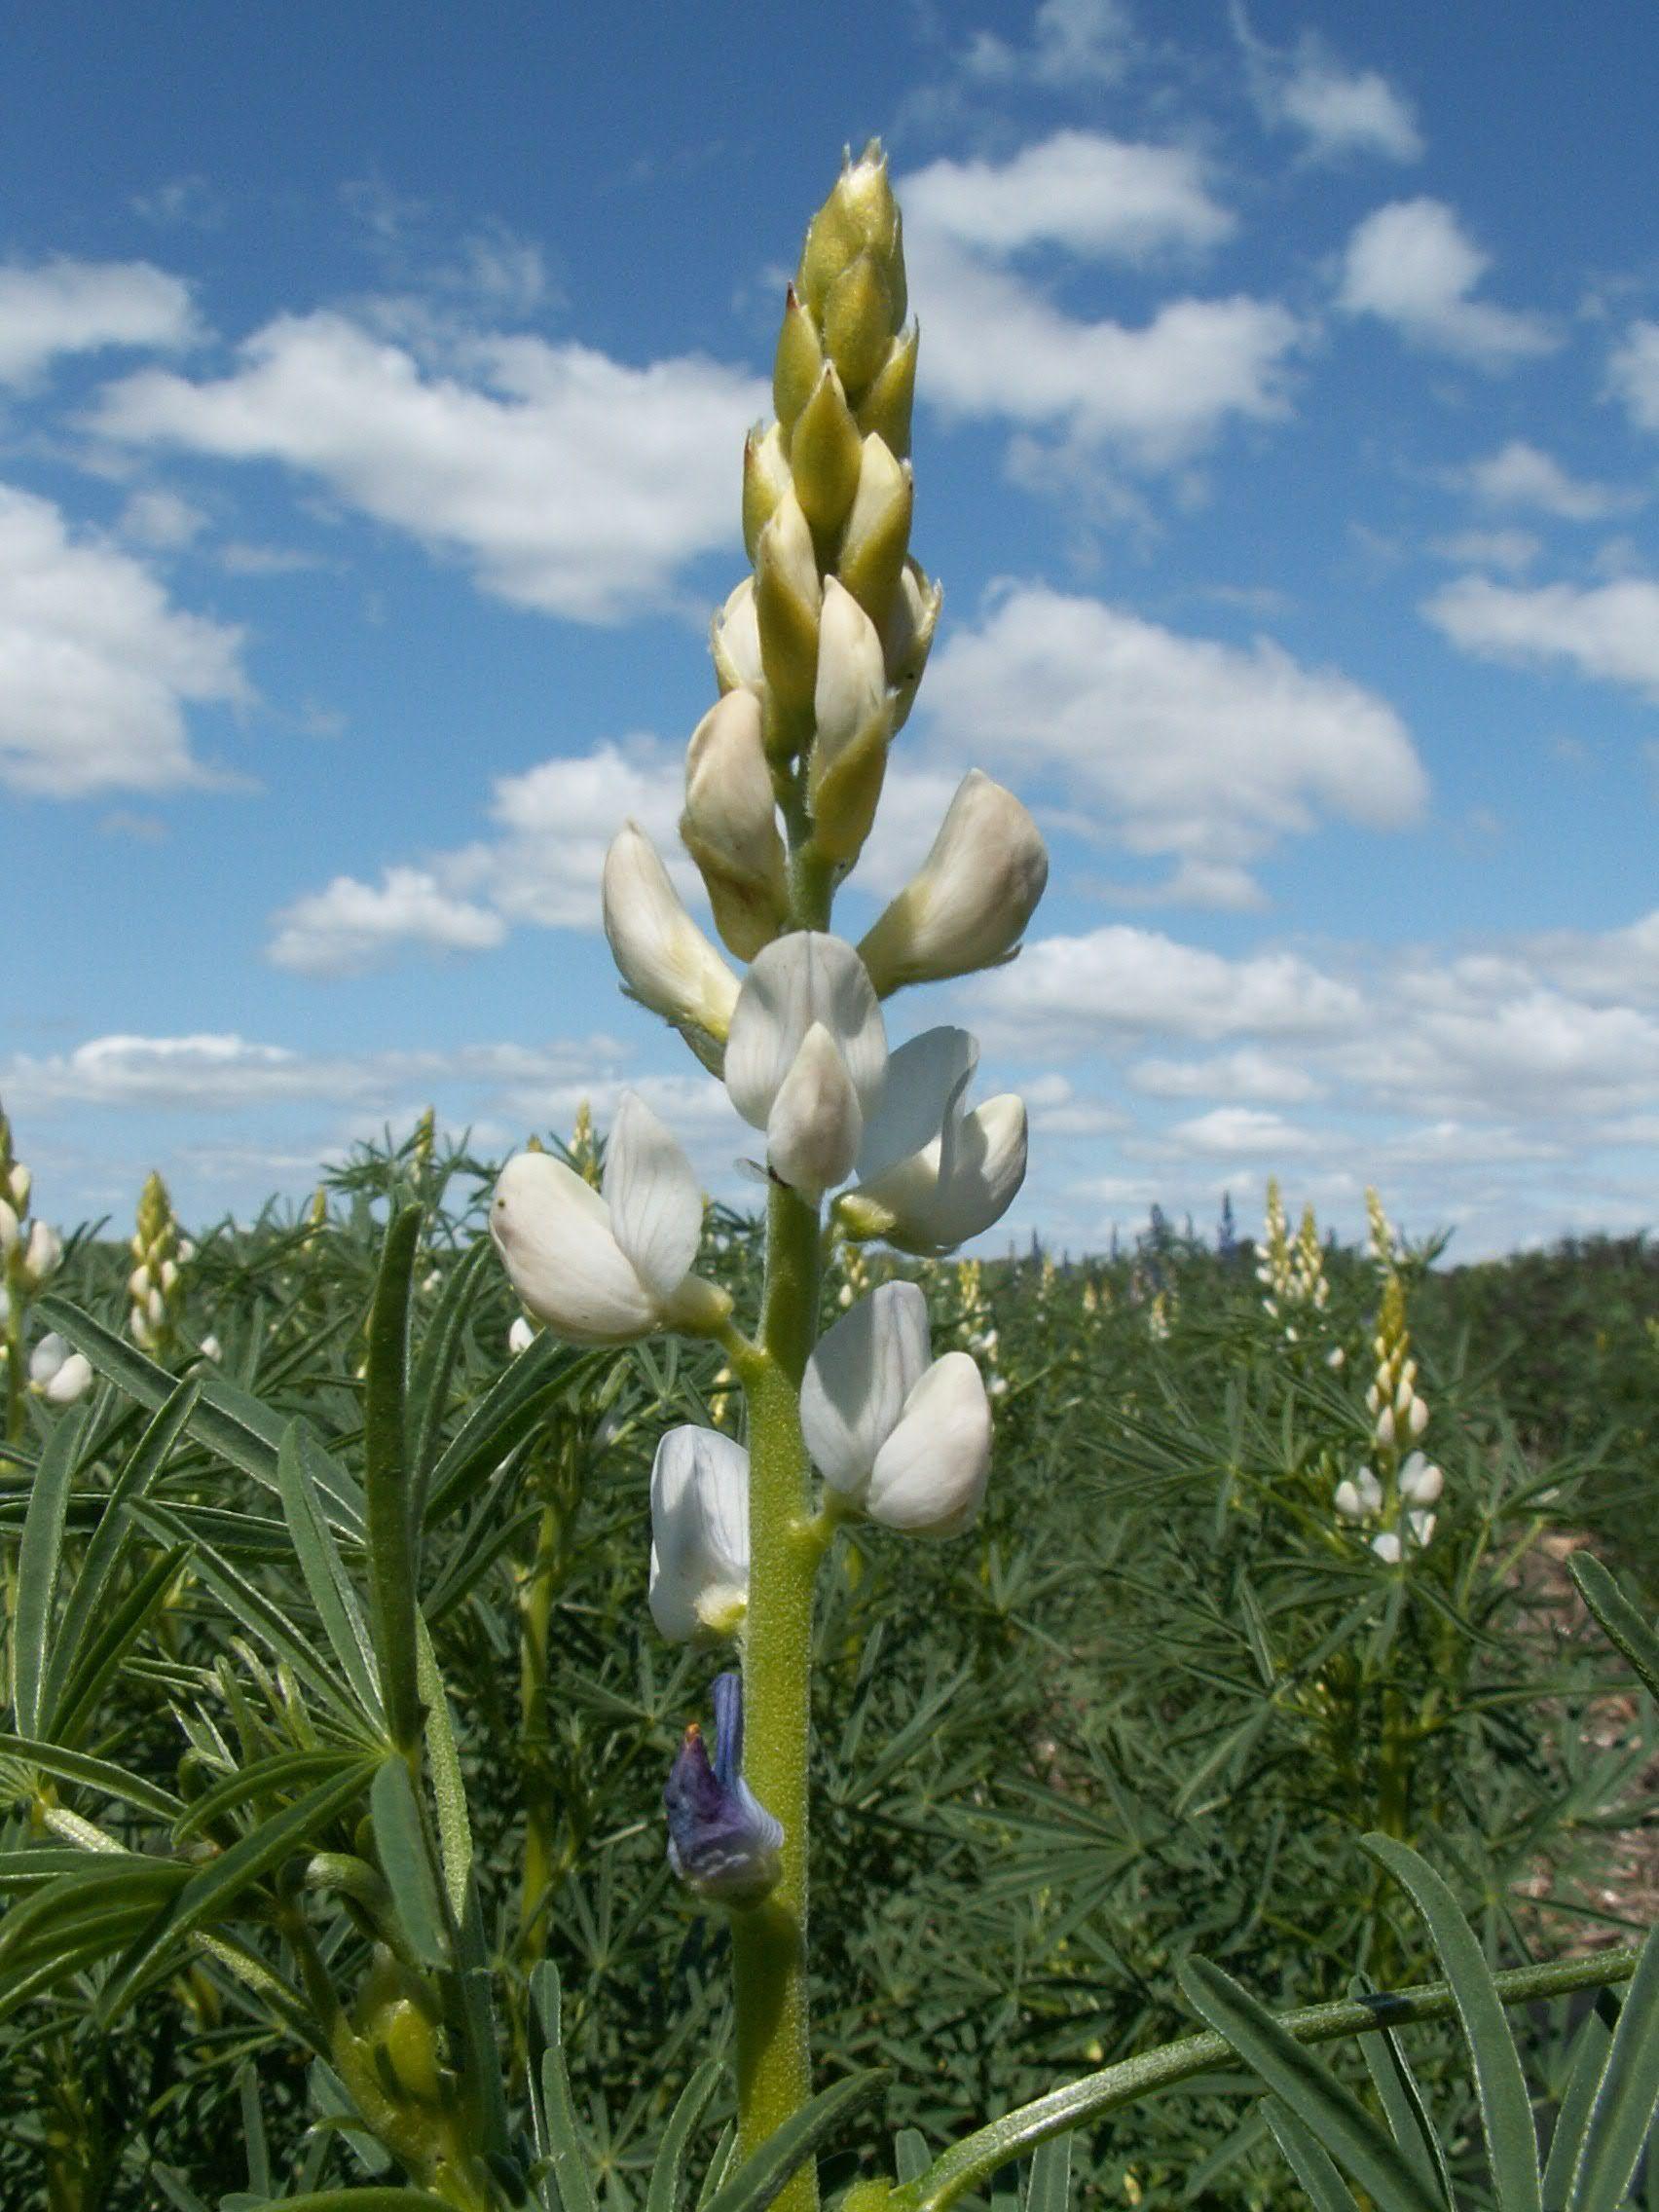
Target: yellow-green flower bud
(797, 364)
(849, 750)
(730, 824)
(409, 2043)
(787, 593)
(825, 456)
(878, 530)
(886, 407)
(858, 322)
(859, 216)
(766, 480)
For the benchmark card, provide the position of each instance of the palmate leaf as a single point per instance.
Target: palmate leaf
(1506, 2106)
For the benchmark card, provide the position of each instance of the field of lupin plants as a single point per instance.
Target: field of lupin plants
(1210, 1685)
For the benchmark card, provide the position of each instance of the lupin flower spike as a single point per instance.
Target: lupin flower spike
(722, 1843)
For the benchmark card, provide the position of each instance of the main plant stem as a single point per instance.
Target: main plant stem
(774, 2064)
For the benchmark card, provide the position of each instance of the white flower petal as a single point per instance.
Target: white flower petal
(857, 1380)
(554, 1235)
(699, 1533)
(803, 978)
(968, 907)
(656, 1209)
(925, 1078)
(814, 1127)
(73, 1379)
(662, 956)
(46, 1357)
(960, 1184)
(930, 1475)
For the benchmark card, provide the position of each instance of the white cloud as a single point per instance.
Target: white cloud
(1092, 194)
(350, 927)
(1510, 549)
(1603, 964)
(1249, 1073)
(161, 520)
(1609, 631)
(1169, 744)
(555, 822)
(1413, 265)
(1632, 374)
(1071, 991)
(1073, 43)
(1337, 110)
(96, 666)
(1521, 475)
(573, 483)
(1242, 1133)
(83, 306)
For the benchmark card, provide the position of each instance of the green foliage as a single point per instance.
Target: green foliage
(337, 1729)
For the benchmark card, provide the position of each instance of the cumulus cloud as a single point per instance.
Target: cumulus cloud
(999, 348)
(350, 927)
(1071, 991)
(1337, 110)
(1632, 374)
(1522, 475)
(1072, 44)
(86, 307)
(1168, 744)
(1413, 265)
(1247, 1074)
(1242, 1133)
(571, 483)
(97, 667)
(1507, 549)
(1092, 194)
(1609, 631)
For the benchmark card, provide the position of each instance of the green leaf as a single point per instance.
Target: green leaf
(1620, 1621)
(325, 1577)
(216, 1888)
(92, 1774)
(681, 2127)
(762, 2176)
(115, 1639)
(1402, 2101)
(449, 1787)
(911, 2156)
(264, 1778)
(401, 1844)
(428, 1384)
(557, 2136)
(1334, 2115)
(1308, 2159)
(1506, 2107)
(516, 1403)
(1589, 2059)
(1049, 2187)
(39, 1558)
(374, 2199)
(385, 1448)
(110, 1540)
(1629, 2092)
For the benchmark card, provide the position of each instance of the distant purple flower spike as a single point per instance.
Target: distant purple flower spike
(722, 1843)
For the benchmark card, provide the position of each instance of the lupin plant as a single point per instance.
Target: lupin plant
(155, 1288)
(818, 655)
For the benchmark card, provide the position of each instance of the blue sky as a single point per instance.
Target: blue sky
(373, 383)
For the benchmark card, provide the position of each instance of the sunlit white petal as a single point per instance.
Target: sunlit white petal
(699, 1533)
(857, 1380)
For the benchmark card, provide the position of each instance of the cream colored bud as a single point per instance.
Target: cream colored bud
(877, 537)
(156, 1309)
(907, 637)
(138, 1283)
(825, 454)
(9, 1228)
(1417, 1418)
(734, 640)
(853, 723)
(1385, 1425)
(664, 958)
(766, 480)
(730, 825)
(859, 216)
(20, 1183)
(968, 907)
(43, 1251)
(168, 1274)
(787, 593)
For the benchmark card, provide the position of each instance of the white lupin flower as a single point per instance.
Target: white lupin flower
(522, 1334)
(1421, 1525)
(57, 1374)
(908, 1440)
(931, 1176)
(968, 907)
(663, 956)
(43, 1251)
(734, 640)
(1416, 1418)
(730, 824)
(606, 1269)
(211, 1348)
(1386, 1546)
(699, 1534)
(809, 1092)
(1358, 1499)
(1420, 1481)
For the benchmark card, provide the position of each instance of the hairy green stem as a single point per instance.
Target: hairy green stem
(978, 2156)
(774, 2067)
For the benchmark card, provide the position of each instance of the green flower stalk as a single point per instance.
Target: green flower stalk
(818, 654)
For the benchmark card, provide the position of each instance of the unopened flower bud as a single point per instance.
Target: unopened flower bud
(797, 364)
(522, 1334)
(787, 593)
(1420, 1481)
(1416, 1418)
(858, 322)
(43, 1251)
(1386, 1546)
(57, 1374)
(877, 537)
(18, 1184)
(886, 407)
(908, 636)
(825, 454)
(766, 480)
(734, 640)
(664, 958)
(9, 1228)
(859, 216)
(1385, 1426)
(968, 907)
(730, 825)
(849, 754)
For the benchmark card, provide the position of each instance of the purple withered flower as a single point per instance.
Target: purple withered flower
(722, 1843)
